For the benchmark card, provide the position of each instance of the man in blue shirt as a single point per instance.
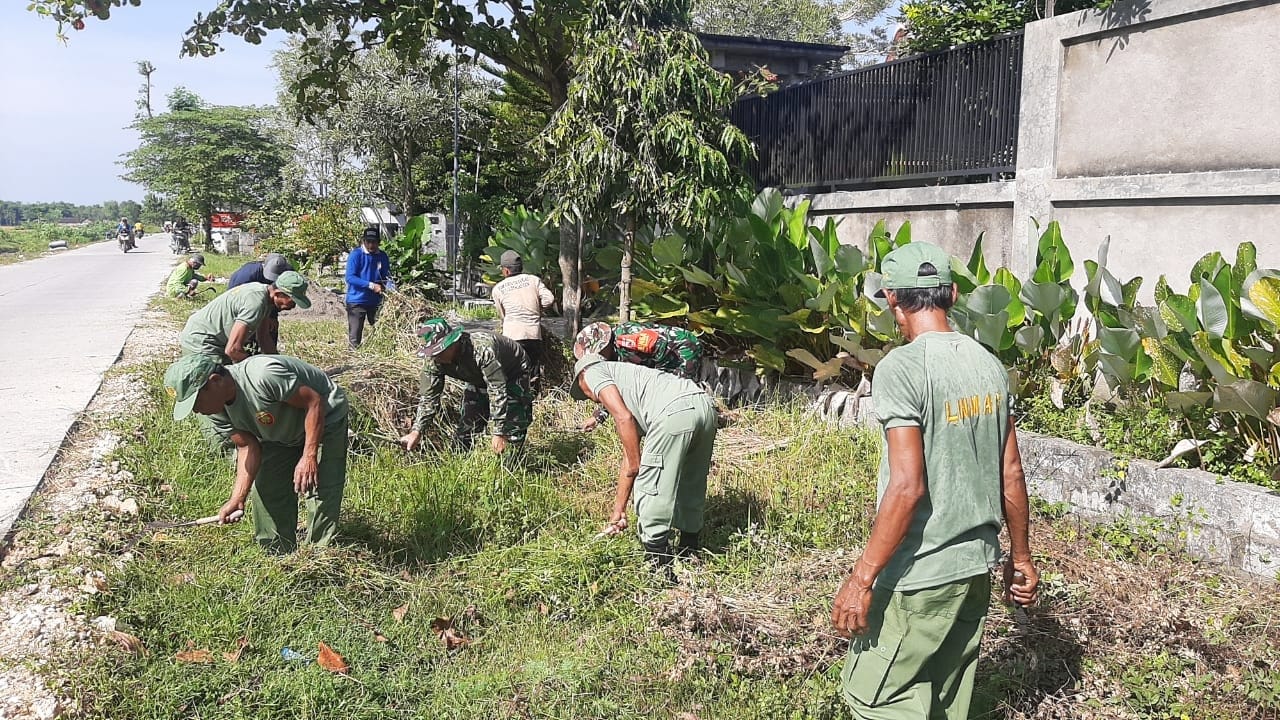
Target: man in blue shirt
(263, 271)
(368, 269)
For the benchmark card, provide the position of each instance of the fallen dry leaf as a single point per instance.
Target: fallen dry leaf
(543, 608)
(379, 637)
(233, 657)
(192, 655)
(331, 661)
(448, 634)
(472, 614)
(93, 585)
(400, 612)
(185, 578)
(510, 594)
(686, 716)
(130, 643)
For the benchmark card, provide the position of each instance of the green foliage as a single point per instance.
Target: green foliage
(812, 21)
(942, 24)
(412, 267)
(311, 237)
(33, 238)
(205, 158)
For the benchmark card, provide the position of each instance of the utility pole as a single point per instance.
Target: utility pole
(455, 235)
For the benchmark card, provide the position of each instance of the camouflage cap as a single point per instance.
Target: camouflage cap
(592, 339)
(436, 335)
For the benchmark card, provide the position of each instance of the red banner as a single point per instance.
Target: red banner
(227, 219)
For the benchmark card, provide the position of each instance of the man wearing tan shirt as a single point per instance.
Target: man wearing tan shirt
(520, 300)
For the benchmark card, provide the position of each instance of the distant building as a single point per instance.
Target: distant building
(792, 62)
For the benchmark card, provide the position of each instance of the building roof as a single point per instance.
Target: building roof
(766, 47)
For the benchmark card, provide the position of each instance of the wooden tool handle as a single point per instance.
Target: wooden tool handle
(233, 517)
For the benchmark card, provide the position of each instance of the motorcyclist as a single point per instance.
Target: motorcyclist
(137, 229)
(123, 226)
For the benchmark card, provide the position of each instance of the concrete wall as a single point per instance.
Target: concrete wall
(951, 216)
(1155, 123)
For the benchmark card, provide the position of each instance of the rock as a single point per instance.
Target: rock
(105, 623)
(46, 709)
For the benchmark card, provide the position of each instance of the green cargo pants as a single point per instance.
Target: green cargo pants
(671, 489)
(275, 504)
(918, 657)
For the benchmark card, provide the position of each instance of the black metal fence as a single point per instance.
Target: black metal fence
(950, 114)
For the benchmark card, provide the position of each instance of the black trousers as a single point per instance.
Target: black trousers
(356, 317)
(533, 351)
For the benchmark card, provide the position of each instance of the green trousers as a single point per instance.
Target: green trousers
(671, 489)
(918, 657)
(275, 504)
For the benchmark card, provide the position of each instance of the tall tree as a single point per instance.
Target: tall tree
(813, 21)
(205, 159)
(532, 40)
(145, 68)
(643, 135)
(941, 24)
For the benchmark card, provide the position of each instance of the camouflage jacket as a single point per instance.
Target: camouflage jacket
(661, 347)
(490, 363)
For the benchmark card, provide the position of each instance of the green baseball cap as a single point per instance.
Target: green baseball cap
(575, 390)
(295, 286)
(901, 268)
(437, 335)
(184, 379)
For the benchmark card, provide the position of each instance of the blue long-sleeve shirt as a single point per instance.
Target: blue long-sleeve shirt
(364, 268)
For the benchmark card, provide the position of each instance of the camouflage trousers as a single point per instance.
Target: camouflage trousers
(476, 415)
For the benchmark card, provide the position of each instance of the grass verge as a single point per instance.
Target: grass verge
(468, 586)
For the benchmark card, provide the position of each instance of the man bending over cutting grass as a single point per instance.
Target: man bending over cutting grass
(668, 477)
(288, 422)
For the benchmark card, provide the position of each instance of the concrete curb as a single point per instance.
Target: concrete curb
(1233, 524)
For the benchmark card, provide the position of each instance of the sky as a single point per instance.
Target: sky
(64, 110)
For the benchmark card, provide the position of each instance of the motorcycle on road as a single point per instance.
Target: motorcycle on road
(180, 241)
(125, 238)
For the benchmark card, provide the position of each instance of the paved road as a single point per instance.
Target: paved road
(63, 321)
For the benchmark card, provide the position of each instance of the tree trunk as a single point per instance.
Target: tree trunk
(624, 285)
(206, 222)
(570, 276)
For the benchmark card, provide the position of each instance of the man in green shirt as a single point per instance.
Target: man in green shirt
(668, 477)
(184, 279)
(496, 373)
(221, 328)
(288, 422)
(916, 600)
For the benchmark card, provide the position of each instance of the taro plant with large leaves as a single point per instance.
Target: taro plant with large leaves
(1224, 332)
(1024, 323)
(413, 268)
(773, 285)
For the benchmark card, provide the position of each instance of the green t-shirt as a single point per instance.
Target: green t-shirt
(264, 382)
(178, 279)
(646, 392)
(957, 393)
(209, 328)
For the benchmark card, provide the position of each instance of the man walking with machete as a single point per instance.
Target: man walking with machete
(288, 422)
(916, 601)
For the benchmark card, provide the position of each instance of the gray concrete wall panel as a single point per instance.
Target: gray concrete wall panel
(1193, 94)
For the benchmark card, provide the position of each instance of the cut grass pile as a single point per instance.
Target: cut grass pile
(471, 586)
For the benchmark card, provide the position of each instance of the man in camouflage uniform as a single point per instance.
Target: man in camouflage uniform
(661, 347)
(496, 373)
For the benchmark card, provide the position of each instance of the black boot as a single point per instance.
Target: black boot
(689, 545)
(659, 556)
